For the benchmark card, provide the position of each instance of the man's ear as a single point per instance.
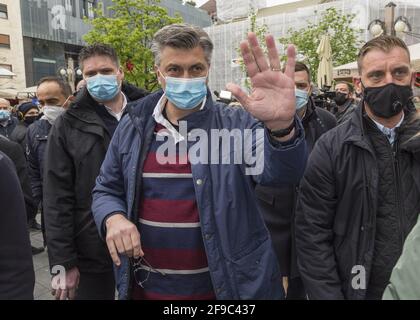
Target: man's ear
(357, 83)
(121, 73)
(158, 75)
(413, 78)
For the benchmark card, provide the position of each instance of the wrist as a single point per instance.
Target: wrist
(275, 125)
(112, 218)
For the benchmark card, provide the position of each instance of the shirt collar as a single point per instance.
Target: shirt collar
(389, 132)
(159, 118)
(118, 115)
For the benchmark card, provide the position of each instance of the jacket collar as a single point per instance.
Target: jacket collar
(357, 132)
(144, 111)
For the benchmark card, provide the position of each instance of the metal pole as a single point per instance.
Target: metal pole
(389, 19)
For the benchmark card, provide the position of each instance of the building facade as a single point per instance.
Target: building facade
(11, 45)
(280, 19)
(46, 36)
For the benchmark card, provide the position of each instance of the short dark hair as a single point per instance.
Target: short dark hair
(98, 49)
(181, 36)
(300, 66)
(348, 84)
(64, 86)
(384, 43)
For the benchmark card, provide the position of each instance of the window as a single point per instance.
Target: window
(6, 66)
(87, 8)
(70, 7)
(4, 41)
(3, 11)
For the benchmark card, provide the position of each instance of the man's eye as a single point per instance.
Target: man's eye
(400, 73)
(376, 75)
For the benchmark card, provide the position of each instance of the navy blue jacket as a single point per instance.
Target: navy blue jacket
(36, 143)
(239, 250)
(8, 129)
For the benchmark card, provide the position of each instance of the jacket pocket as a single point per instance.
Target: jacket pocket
(256, 273)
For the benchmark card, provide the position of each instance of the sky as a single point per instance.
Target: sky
(269, 2)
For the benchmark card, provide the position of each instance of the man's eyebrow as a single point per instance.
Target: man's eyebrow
(172, 65)
(372, 72)
(199, 64)
(401, 68)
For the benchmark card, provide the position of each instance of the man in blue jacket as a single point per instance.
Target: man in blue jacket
(202, 236)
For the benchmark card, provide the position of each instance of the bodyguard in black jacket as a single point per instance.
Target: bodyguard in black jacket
(76, 148)
(17, 277)
(360, 195)
(278, 204)
(14, 151)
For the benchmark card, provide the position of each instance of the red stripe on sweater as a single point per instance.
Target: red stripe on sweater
(177, 211)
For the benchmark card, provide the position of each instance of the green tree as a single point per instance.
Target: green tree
(130, 29)
(260, 30)
(344, 39)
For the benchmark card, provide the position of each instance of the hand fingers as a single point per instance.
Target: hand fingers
(72, 293)
(273, 55)
(113, 252)
(57, 294)
(135, 239)
(249, 61)
(128, 245)
(291, 62)
(239, 94)
(63, 295)
(257, 51)
(119, 245)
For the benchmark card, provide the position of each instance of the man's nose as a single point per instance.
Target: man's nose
(389, 78)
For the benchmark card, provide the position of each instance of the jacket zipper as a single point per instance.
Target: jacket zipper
(400, 210)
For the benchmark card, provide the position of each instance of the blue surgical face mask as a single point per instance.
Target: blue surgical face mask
(4, 115)
(103, 88)
(186, 93)
(301, 98)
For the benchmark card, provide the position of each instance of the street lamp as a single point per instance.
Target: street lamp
(376, 27)
(402, 25)
(389, 26)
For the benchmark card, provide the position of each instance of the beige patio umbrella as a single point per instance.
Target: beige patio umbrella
(325, 68)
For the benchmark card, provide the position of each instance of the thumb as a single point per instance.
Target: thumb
(239, 94)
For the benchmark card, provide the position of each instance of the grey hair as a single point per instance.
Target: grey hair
(181, 36)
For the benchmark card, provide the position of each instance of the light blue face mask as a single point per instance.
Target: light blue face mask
(186, 93)
(4, 115)
(103, 88)
(301, 98)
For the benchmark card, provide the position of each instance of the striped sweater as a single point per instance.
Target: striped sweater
(175, 264)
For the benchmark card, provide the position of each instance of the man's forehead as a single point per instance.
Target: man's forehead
(341, 86)
(4, 103)
(377, 58)
(301, 76)
(179, 56)
(98, 61)
(49, 89)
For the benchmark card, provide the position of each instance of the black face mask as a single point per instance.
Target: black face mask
(30, 119)
(340, 98)
(387, 101)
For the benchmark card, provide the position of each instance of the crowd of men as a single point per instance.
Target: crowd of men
(327, 217)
